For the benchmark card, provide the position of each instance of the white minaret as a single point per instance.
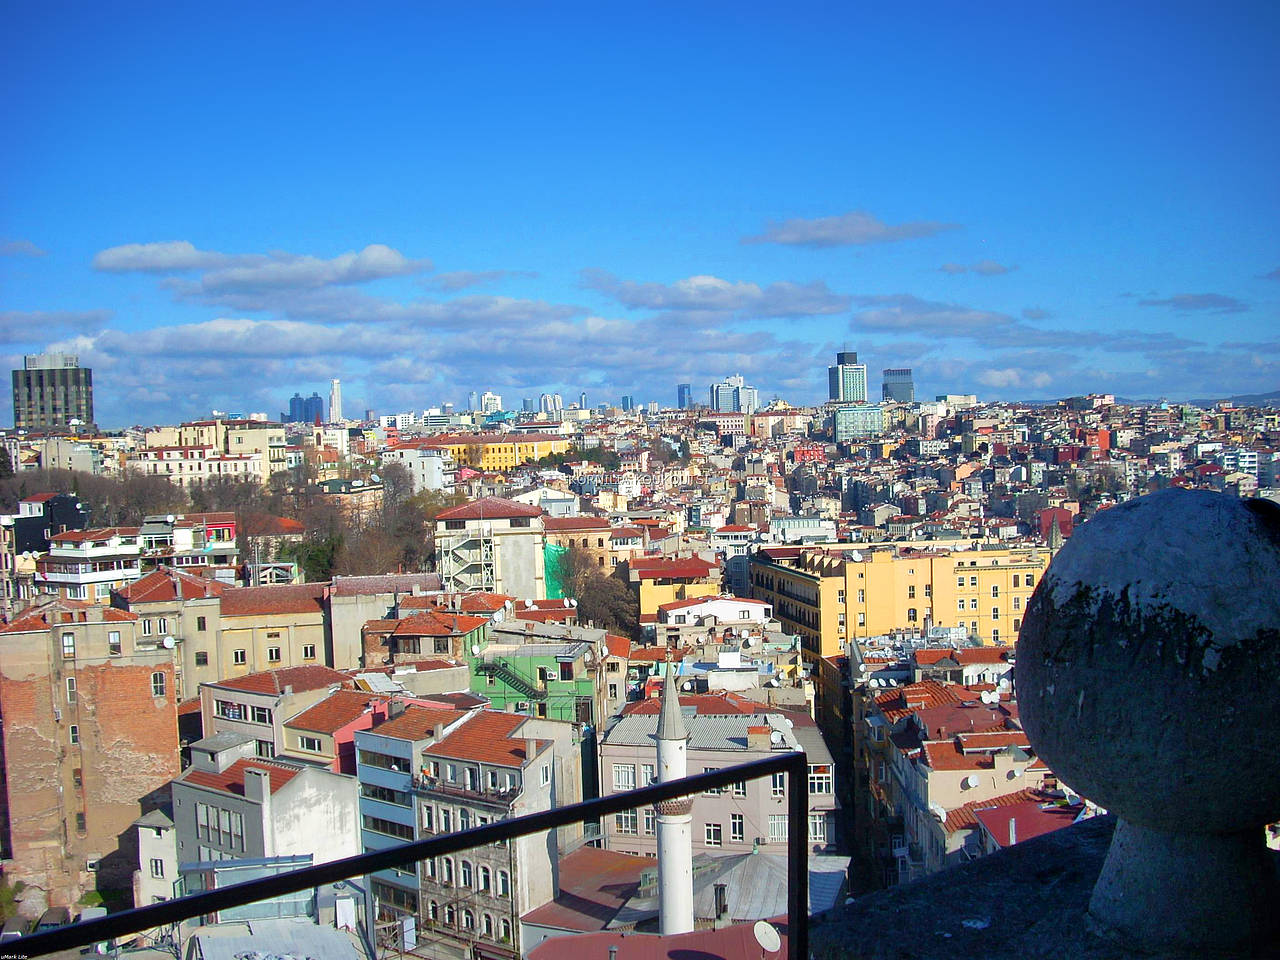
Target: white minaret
(675, 837)
(335, 401)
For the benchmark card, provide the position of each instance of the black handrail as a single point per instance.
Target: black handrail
(793, 764)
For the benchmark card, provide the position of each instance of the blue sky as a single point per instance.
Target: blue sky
(217, 207)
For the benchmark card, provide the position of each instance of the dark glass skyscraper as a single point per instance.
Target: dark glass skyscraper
(897, 386)
(684, 395)
(52, 390)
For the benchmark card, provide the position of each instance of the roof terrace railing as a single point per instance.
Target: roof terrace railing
(139, 919)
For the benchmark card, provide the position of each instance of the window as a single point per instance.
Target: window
(464, 818)
(911, 614)
(81, 826)
(261, 715)
(162, 624)
(486, 878)
(740, 788)
(73, 734)
(146, 626)
(625, 822)
(1017, 581)
(68, 646)
(309, 743)
(712, 791)
(737, 830)
(613, 691)
(465, 873)
(959, 581)
(228, 710)
(862, 619)
(624, 776)
(995, 613)
(71, 689)
(446, 820)
(911, 591)
(960, 604)
(650, 821)
(995, 590)
(973, 603)
(388, 828)
(273, 654)
(1030, 582)
(777, 828)
(428, 818)
(77, 592)
(200, 623)
(862, 594)
(714, 835)
(308, 651)
(546, 774)
(928, 589)
(817, 828)
(77, 781)
(504, 883)
(157, 684)
(566, 671)
(1017, 603)
(239, 658)
(1017, 624)
(973, 581)
(995, 636)
(202, 659)
(839, 598)
(779, 785)
(113, 643)
(265, 749)
(506, 930)
(820, 778)
(157, 868)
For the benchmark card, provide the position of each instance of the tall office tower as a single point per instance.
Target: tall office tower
(684, 395)
(628, 403)
(335, 401)
(551, 403)
(897, 386)
(295, 410)
(52, 390)
(582, 400)
(313, 409)
(733, 395)
(847, 380)
(472, 401)
(529, 405)
(490, 403)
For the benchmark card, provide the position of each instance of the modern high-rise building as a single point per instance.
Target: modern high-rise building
(897, 386)
(684, 395)
(304, 409)
(847, 380)
(529, 406)
(490, 402)
(472, 401)
(628, 403)
(582, 400)
(734, 396)
(335, 401)
(52, 391)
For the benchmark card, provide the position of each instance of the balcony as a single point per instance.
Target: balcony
(501, 796)
(404, 856)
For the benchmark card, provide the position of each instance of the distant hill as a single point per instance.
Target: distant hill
(1271, 399)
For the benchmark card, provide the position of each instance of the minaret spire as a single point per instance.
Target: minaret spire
(675, 831)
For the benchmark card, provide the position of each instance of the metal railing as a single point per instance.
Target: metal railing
(140, 919)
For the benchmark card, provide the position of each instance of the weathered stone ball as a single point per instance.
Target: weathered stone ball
(1149, 657)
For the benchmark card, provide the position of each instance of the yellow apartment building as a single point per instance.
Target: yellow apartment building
(830, 595)
(499, 451)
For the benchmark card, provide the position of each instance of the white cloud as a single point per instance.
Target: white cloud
(37, 326)
(169, 256)
(20, 248)
(987, 268)
(715, 295)
(857, 228)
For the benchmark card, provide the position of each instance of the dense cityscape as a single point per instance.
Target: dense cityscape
(245, 644)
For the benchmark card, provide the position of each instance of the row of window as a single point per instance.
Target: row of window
(473, 877)
(1018, 581)
(627, 822)
(449, 914)
(229, 710)
(216, 825)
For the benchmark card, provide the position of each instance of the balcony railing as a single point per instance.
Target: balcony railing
(140, 919)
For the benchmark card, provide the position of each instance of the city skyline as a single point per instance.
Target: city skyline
(1011, 203)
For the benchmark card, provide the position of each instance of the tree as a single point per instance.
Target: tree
(602, 600)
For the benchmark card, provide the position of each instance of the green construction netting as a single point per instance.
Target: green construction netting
(551, 557)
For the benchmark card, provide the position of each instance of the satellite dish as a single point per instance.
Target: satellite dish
(775, 737)
(167, 643)
(987, 696)
(375, 478)
(688, 685)
(475, 649)
(170, 518)
(970, 781)
(938, 810)
(767, 936)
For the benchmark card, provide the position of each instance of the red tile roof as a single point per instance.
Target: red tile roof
(56, 611)
(273, 682)
(416, 723)
(488, 737)
(594, 886)
(432, 623)
(231, 780)
(39, 497)
(618, 646)
(704, 704)
(574, 524)
(165, 583)
(335, 711)
(269, 525)
(268, 601)
(98, 533)
(649, 568)
(489, 508)
(1014, 823)
(966, 816)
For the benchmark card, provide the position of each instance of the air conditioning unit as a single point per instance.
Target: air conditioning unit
(57, 715)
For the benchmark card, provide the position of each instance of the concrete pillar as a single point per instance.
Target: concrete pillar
(1146, 674)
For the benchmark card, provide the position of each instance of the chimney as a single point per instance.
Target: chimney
(1013, 831)
(530, 748)
(759, 737)
(438, 733)
(613, 953)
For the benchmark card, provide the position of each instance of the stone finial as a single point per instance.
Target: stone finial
(1146, 671)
